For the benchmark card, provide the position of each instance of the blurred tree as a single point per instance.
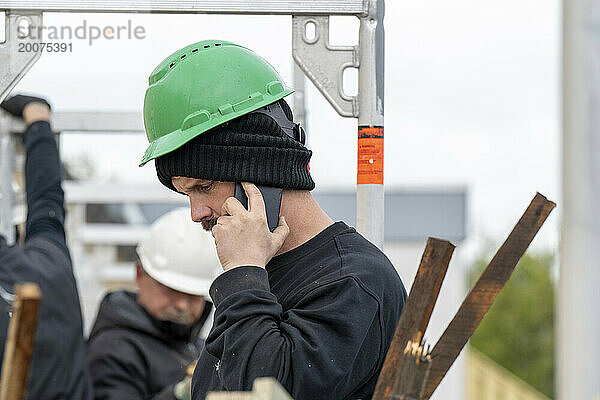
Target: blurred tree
(518, 331)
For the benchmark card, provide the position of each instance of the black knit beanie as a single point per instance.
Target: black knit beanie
(251, 148)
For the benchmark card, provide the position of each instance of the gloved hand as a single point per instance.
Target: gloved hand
(17, 103)
(183, 389)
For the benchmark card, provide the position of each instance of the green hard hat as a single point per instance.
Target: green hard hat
(202, 86)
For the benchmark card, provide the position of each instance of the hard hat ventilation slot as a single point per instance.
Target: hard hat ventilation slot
(217, 44)
(206, 46)
(172, 65)
(195, 50)
(182, 57)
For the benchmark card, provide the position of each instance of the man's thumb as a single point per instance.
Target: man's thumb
(281, 232)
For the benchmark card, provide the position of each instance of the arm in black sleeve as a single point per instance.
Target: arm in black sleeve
(329, 342)
(45, 197)
(119, 372)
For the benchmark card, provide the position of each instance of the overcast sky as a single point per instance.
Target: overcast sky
(472, 98)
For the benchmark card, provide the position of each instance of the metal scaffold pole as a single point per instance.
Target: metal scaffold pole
(578, 347)
(324, 65)
(299, 97)
(6, 178)
(370, 189)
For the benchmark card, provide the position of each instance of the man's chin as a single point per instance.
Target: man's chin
(182, 321)
(209, 224)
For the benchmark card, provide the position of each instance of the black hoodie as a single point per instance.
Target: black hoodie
(132, 355)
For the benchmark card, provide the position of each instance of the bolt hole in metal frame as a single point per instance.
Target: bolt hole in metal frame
(24, 23)
(322, 63)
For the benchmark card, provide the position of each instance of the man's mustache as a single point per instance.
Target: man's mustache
(184, 318)
(208, 224)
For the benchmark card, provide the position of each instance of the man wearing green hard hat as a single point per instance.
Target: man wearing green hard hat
(302, 298)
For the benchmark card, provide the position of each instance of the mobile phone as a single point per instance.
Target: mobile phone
(272, 198)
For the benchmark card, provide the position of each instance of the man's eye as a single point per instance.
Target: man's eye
(205, 188)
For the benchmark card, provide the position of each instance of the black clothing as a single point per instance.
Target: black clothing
(132, 355)
(319, 319)
(58, 364)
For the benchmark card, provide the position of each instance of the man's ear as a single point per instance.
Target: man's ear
(139, 272)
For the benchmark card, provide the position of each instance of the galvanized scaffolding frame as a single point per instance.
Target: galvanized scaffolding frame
(322, 63)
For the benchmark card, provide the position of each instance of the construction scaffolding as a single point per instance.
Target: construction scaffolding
(322, 63)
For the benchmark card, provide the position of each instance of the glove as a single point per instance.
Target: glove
(183, 389)
(17, 103)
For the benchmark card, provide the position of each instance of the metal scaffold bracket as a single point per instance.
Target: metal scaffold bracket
(17, 53)
(323, 63)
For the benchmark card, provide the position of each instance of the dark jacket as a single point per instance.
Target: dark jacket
(132, 355)
(318, 318)
(58, 364)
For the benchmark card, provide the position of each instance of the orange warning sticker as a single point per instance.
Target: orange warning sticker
(370, 155)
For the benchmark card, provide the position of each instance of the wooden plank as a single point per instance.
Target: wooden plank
(483, 294)
(269, 389)
(417, 311)
(230, 396)
(262, 389)
(414, 373)
(20, 341)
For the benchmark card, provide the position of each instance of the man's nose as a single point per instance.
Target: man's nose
(182, 303)
(199, 210)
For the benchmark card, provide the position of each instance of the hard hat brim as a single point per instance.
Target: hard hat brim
(174, 140)
(182, 283)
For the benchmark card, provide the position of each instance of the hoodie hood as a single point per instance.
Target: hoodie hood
(120, 309)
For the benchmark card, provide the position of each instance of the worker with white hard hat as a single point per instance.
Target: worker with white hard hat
(143, 344)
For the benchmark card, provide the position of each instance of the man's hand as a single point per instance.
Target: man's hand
(242, 237)
(183, 389)
(34, 112)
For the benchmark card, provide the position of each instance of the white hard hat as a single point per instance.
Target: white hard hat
(180, 254)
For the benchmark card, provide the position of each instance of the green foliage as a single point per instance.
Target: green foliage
(518, 331)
